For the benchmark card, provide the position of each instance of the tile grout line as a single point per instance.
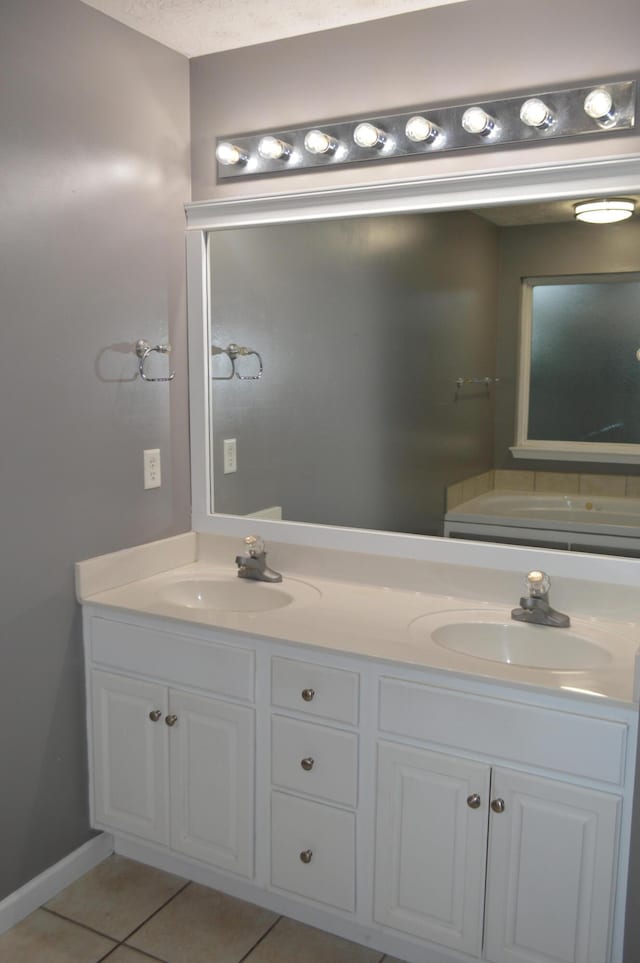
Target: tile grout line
(114, 939)
(258, 942)
(151, 916)
(145, 956)
(83, 926)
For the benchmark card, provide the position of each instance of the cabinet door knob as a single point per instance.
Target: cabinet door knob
(308, 694)
(498, 805)
(474, 801)
(306, 855)
(307, 764)
(171, 720)
(155, 714)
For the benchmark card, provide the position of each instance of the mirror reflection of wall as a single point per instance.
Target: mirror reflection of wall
(364, 326)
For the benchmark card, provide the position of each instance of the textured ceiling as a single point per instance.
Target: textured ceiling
(196, 27)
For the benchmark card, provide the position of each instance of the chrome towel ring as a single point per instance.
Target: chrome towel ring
(143, 350)
(233, 352)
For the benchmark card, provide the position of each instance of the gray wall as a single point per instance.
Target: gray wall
(537, 251)
(445, 54)
(363, 326)
(93, 174)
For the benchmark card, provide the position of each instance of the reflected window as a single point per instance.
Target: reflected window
(579, 368)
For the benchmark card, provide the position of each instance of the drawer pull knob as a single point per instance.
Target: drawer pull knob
(306, 855)
(155, 714)
(171, 720)
(308, 694)
(474, 801)
(498, 805)
(307, 764)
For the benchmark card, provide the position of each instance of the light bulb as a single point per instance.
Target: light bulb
(317, 142)
(230, 155)
(420, 130)
(535, 113)
(271, 148)
(606, 211)
(367, 135)
(599, 105)
(475, 120)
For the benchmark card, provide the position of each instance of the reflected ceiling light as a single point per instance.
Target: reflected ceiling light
(368, 135)
(230, 155)
(271, 148)
(535, 113)
(317, 142)
(606, 211)
(599, 105)
(475, 120)
(421, 131)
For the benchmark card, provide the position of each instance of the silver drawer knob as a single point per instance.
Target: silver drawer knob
(474, 801)
(307, 764)
(171, 720)
(498, 805)
(306, 855)
(155, 714)
(308, 694)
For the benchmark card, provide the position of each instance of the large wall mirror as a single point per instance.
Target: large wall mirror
(366, 372)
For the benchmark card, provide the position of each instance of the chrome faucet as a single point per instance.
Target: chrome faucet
(535, 608)
(253, 565)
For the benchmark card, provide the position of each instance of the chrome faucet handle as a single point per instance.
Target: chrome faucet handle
(537, 584)
(255, 545)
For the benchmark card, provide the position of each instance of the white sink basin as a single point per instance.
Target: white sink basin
(493, 635)
(232, 594)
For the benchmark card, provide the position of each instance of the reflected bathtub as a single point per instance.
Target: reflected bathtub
(556, 519)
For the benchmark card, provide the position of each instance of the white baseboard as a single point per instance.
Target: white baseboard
(45, 886)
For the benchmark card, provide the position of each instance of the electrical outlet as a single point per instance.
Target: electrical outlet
(152, 471)
(230, 456)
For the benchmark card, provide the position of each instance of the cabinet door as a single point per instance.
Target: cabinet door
(431, 845)
(552, 854)
(130, 766)
(212, 752)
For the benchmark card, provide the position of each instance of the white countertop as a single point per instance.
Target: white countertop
(373, 621)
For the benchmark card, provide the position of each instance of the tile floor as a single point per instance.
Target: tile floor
(125, 912)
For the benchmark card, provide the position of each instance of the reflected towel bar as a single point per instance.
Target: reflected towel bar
(233, 352)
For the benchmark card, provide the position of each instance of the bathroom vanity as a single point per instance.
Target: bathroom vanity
(312, 748)
(372, 746)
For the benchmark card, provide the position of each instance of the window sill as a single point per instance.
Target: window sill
(578, 451)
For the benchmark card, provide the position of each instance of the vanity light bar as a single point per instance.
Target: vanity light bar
(534, 118)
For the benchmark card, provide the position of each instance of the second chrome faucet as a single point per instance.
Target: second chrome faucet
(253, 565)
(534, 607)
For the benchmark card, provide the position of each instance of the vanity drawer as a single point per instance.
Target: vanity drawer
(175, 659)
(546, 738)
(313, 851)
(315, 689)
(314, 759)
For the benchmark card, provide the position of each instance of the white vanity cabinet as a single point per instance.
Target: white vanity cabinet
(548, 873)
(450, 828)
(430, 846)
(171, 766)
(428, 815)
(314, 776)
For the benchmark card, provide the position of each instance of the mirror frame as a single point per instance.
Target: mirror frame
(617, 176)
